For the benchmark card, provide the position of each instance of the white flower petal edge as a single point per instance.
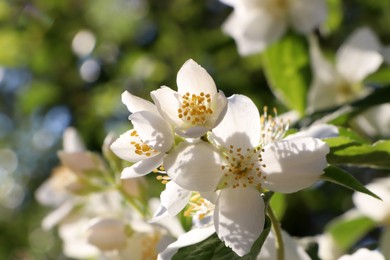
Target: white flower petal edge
(306, 15)
(183, 166)
(241, 124)
(359, 56)
(320, 131)
(294, 164)
(72, 141)
(253, 29)
(239, 218)
(376, 209)
(173, 200)
(167, 102)
(291, 248)
(135, 104)
(191, 237)
(143, 167)
(195, 79)
(374, 121)
(153, 130)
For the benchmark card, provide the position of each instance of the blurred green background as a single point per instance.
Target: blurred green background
(66, 62)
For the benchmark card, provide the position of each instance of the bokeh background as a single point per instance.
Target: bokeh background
(66, 62)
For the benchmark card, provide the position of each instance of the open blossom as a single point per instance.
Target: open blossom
(254, 24)
(378, 210)
(247, 156)
(336, 84)
(149, 141)
(105, 228)
(196, 107)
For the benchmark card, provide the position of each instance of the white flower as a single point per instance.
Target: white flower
(254, 24)
(333, 85)
(378, 210)
(105, 227)
(149, 141)
(248, 157)
(363, 254)
(196, 107)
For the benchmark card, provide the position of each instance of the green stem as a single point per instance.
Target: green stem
(278, 234)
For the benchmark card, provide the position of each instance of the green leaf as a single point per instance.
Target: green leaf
(349, 229)
(350, 152)
(340, 177)
(214, 248)
(335, 16)
(279, 205)
(287, 68)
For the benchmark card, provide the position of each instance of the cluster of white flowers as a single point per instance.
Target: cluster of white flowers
(223, 148)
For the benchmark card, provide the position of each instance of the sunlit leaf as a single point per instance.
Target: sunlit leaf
(279, 205)
(349, 229)
(340, 177)
(287, 68)
(345, 151)
(335, 15)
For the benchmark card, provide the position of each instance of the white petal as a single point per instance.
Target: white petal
(194, 79)
(143, 167)
(191, 237)
(376, 209)
(75, 244)
(168, 103)
(99, 229)
(359, 56)
(320, 131)
(323, 95)
(363, 254)
(153, 130)
(241, 125)
(219, 107)
(295, 164)
(136, 104)
(194, 166)
(291, 248)
(80, 161)
(323, 89)
(123, 148)
(239, 218)
(56, 216)
(253, 29)
(174, 198)
(192, 132)
(72, 141)
(306, 15)
(374, 121)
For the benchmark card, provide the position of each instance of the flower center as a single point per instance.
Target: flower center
(149, 246)
(141, 148)
(195, 109)
(272, 128)
(199, 207)
(277, 8)
(242, 170)
(347, 91)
